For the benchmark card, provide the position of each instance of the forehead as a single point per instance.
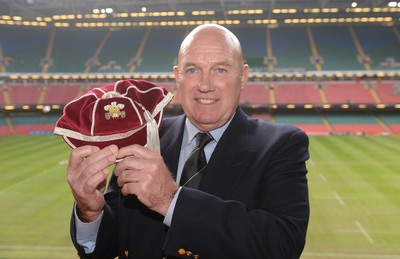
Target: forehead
(208, 48)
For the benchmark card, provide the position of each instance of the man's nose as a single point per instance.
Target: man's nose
(205, 83)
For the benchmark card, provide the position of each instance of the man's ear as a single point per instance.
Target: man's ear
(176, 74)
(245, 74)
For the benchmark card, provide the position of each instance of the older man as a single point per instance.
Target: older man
(249, 201)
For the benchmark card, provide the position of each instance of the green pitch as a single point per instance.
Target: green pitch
(354, 193)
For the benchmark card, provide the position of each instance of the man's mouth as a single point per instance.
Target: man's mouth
(206, 101)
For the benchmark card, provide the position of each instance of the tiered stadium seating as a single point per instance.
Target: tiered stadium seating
(155, 50)
(4, 129)
(33, 124)
(24, 48)
(348, 92)
(355, 123)
(388, 92)
(392, 121)
(60, 93)
(255, 93)
(161, 50)
(24, 94)
(2, 102)
(310, 123)
(291, 47)
(297, 93)
(119, 50)
(379, 43)
(254, 50)
(337, 48)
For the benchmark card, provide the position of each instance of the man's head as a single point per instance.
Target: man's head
(210, 75)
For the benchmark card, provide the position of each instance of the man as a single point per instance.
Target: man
(252, 201)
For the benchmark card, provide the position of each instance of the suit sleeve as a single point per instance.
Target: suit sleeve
(275, 227)
(106, 241)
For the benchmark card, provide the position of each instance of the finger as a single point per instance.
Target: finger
(78, 154)
(97, 180)
(92, 160)
(130, 176)
(134, 150)
(133, 188)
(128, 163)
(109, 151)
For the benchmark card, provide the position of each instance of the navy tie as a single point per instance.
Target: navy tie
(196, 162)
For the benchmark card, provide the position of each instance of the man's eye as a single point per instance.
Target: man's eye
(220, 70)
(191, 71)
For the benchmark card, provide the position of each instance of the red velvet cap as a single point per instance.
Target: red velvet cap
(123, 113)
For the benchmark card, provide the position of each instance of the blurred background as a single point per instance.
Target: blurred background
(332, 68)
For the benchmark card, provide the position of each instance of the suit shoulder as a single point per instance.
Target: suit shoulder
(168, 122)
(273, 128)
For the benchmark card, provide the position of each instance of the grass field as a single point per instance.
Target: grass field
(354, 193)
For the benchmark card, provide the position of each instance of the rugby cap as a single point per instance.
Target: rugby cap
(123, 113)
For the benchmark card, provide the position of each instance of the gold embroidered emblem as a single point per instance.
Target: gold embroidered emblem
(114, 110)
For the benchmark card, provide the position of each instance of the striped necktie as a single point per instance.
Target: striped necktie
(196, 162)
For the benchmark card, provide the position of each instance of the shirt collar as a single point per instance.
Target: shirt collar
(191, 130)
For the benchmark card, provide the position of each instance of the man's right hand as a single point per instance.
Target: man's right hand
(87, 174)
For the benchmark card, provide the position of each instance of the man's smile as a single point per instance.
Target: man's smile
(205, 101)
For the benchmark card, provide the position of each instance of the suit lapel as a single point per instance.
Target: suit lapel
(229, 159)
(171, 142)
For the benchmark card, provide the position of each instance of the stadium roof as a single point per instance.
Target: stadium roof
(52, 7)
(221, 9)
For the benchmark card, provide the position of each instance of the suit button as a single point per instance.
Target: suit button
(182, 251)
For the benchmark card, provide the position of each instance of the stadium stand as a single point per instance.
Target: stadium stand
(2, 102)
(255, 94)
(73, 50)
(255, 49)
(24, 48)
(120, 51)
(355, 123)
(297, 93)
(348, 92)
(311, 123)
(291, 49)
(337, 48)
(33, 124)
(4, 128)
(297, 49)
(159, 56)
(392, 120)
(379, 43)
(60, 93)
(24, 94)
(388, 92)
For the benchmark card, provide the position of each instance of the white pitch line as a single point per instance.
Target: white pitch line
(350, 256)
(323, 178)
(339, 199)
(63, 162)
(364, 232)
(29, 178)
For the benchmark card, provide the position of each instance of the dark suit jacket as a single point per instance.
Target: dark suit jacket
(252, 201)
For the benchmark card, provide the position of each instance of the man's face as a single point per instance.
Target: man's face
(210, 78)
